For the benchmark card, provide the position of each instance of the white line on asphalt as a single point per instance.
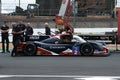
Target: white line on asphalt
(4, 76)
(61, 76)
(96, 78)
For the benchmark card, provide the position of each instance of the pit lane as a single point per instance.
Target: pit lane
(61, 66)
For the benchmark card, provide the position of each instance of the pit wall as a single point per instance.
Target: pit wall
(77, 22)
(80, 24)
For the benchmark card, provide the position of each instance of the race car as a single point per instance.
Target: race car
(63, 45)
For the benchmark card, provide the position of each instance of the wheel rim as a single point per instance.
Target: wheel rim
(30, 49)
(86, 49)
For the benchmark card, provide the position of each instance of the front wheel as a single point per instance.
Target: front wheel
(86, 49)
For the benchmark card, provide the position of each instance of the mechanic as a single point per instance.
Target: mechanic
(65, 39)
(22, 28)
(17, 32)
(47, 29)
(69, 31)
(29, 30)
(5, 37)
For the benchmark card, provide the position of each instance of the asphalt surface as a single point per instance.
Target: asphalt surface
(58, 68)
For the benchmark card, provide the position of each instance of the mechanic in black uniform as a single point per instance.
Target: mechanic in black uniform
(47, 29)
(22, 28)
(17, 32)
(5, 37)
(69, 31)
(29, 30)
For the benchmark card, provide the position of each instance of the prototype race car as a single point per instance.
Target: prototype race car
(62, 45)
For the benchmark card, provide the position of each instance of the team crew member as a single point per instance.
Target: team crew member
(16, 31)
(5, 37)
(22, 28)
(47, 29)
(29, 30)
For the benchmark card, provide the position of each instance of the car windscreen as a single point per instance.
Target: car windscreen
(50, 40)
(79, 39)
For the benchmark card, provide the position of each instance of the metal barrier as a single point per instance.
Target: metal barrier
(53, 12)
(116, 44)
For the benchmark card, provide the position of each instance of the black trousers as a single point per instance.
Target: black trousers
(16, 41)
(5, 40)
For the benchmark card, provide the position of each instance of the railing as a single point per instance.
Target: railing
(53, 12)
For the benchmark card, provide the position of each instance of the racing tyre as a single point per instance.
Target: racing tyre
(30, 49)
(86, 49)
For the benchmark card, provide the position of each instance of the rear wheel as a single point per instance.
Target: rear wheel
(30, 49)
(86, 49)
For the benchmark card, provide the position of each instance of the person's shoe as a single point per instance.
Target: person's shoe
(8, 51)
(3, 52)
(13, 54)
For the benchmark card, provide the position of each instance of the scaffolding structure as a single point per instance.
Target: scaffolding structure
(85, 7)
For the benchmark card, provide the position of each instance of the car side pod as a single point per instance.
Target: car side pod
(86, 49)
